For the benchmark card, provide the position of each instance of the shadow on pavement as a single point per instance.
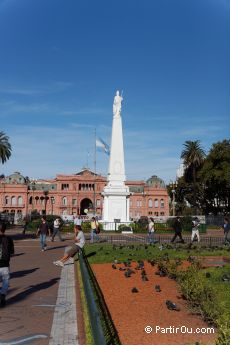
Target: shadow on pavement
(32, 289)
(19, 274)
(52, 248)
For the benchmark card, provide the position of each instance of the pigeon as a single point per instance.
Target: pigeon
(152, 262)
(226, 277)
(172, 306)
(172, 276)
(191, 258)
(178, 262)
(134, 290)
(130, 271)
(143, 273)
(157, 288)
(127, 274)
(144, 278)
(122, 269)
(114, 267)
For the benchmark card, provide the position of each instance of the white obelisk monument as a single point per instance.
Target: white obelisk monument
(116, 193)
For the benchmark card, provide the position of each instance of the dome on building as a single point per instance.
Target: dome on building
(155, 182)
(16, 177)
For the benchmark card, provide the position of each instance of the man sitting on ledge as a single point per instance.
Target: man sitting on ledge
(76, 247)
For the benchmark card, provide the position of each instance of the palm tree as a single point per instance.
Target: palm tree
(5, 148)
(193, 156)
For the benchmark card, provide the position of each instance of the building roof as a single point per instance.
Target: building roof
(156, 182)
(15, 178)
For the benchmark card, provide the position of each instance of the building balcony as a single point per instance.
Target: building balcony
(14, 205)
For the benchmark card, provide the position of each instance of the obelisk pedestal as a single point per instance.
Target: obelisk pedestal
(116, 193)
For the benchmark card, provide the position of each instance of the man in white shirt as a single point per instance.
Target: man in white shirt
(195, 229)
(151, 230)
(76, 247)
(56, 230)
(77, 220)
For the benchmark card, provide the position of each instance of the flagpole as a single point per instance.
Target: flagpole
(95, 166)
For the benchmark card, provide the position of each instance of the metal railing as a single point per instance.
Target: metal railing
(103, 329)
(160, 239)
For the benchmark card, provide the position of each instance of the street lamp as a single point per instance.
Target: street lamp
(33, 187)
(52, 200)
(46, 198)
(173, 185)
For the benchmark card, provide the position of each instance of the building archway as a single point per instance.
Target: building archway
(85, 204)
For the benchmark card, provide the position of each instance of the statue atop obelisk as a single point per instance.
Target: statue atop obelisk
(116, 193)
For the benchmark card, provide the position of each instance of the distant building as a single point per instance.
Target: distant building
(73, 194)
(180, 171)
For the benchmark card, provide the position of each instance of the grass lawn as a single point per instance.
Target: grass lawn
(102, 253)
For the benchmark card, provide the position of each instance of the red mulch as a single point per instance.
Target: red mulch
(132, 312)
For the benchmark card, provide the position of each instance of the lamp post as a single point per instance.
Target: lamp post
(52, 204)
(33, 187)
(173, 185)
(46, 198)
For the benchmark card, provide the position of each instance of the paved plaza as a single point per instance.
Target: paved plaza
(41, 303)
(42, 307)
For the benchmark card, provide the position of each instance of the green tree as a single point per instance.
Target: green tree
(193, 157)
(5, 148)
(215, 175)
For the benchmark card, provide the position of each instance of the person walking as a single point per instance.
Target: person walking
(178, 230)
(94, 230)
(226, 228)
(56, 229)
(6, 251)
(151, 230)
(195, 229)
(79, 239)
(43, 230)
(77, 220)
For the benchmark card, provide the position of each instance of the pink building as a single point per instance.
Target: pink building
(72, 194)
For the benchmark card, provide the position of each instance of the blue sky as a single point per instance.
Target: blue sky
(62, 61)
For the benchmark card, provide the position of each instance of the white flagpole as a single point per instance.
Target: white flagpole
(95, 166)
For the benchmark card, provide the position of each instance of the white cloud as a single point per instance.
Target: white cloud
(32, 90)
(42, 152)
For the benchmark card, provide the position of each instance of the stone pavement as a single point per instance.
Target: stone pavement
(41, 303)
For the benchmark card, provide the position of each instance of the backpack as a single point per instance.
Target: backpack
(5, 249)
(98, 230)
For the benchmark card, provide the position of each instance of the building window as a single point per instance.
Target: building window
(150, 202)
(156, 214)
(150, 213)
(162, 203)
(7, 200)
(162, 213)
(64, 201)
(74, 202)
(19, 200)
(13, 201)
(65, 186)
(98, 203)
(139, 203)
(30, 200)
(156, 203)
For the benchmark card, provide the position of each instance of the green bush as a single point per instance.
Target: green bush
(86, 226)
(201, 296)
(223, 325)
